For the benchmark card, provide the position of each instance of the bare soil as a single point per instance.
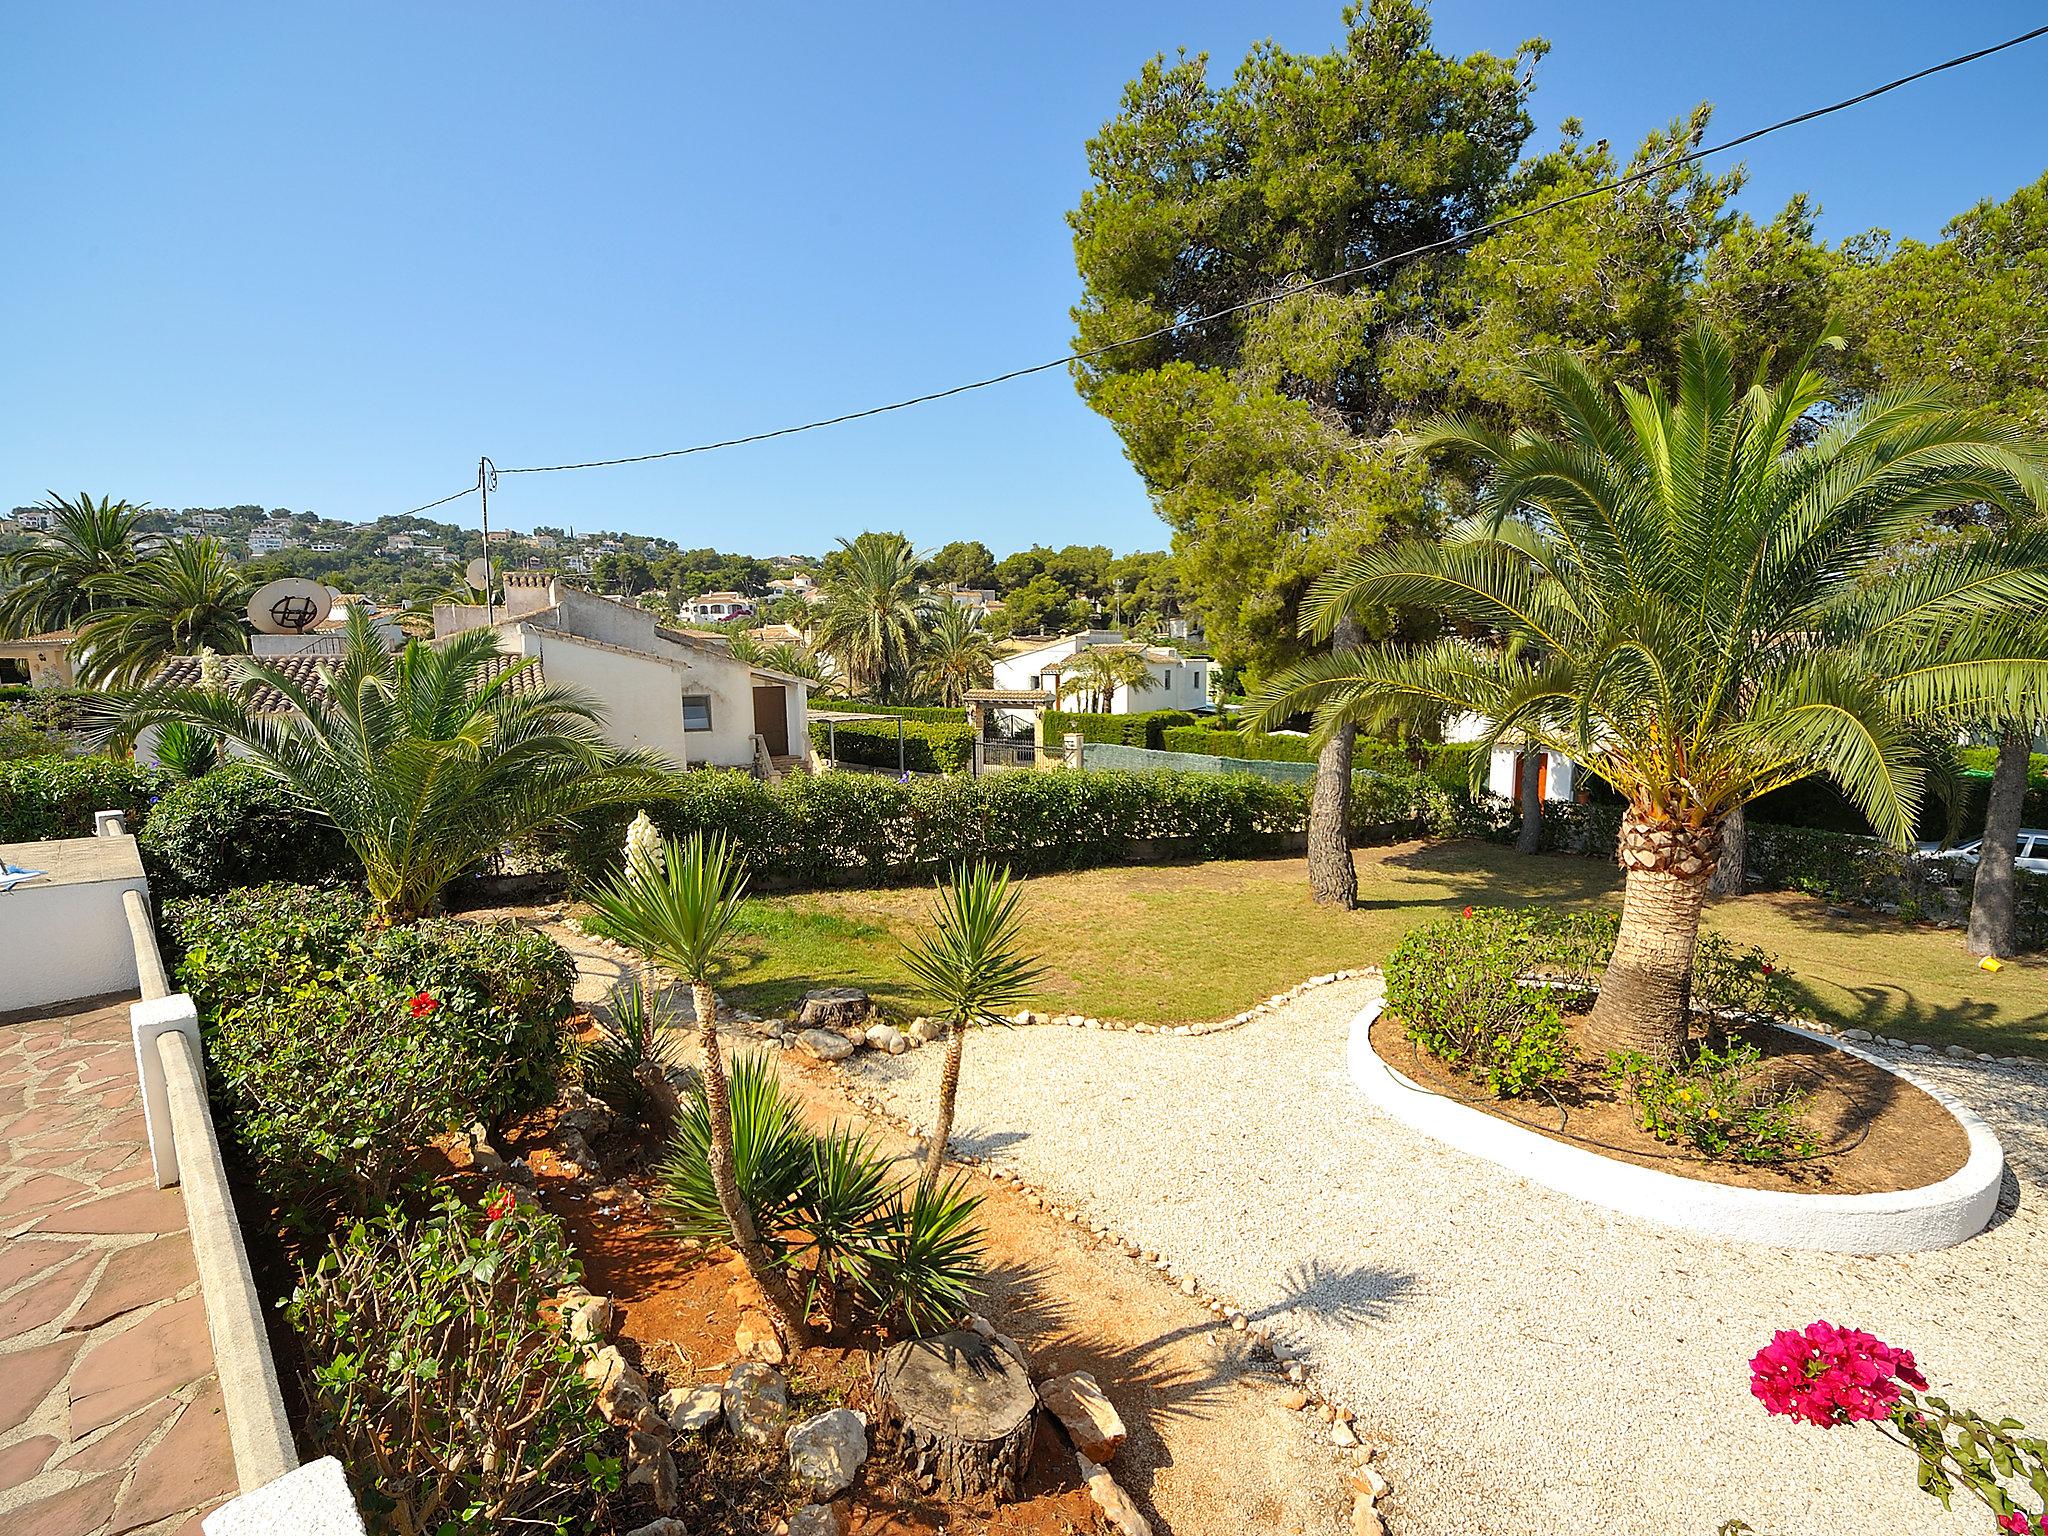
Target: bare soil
(1876, 1132)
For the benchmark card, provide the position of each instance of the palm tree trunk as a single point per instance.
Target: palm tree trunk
(949, 1090)
(1994, 898)
(782, 1301)
(1732, 867)
(1647, 987)
(1332, 880)
(1531, 834)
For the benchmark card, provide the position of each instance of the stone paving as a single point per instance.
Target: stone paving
(110, 1413)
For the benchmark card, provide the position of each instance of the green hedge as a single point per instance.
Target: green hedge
(1139, 730)
(861, 829)
(1448, 764)
(45, 797)
(928, 747)
(929, 713)
(337, 1051)
(238, 826)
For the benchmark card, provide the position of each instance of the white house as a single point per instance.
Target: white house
(684, 696)
(33, 521)
(717, 607)
(266, 542)
(1557, 776)
(1178, 681)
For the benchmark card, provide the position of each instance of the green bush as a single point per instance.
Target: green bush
(1254, 746)
(928, 747)
(1722, 1103)
(46, 797)
(845, 828)
(238, 826)
(22, 736)
(930, 713)
(1146, 729)
(1463, 987)
(48, 709)
(440, 1377)
(337, 1050)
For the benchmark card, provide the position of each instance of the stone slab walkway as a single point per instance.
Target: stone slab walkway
(110, 1413)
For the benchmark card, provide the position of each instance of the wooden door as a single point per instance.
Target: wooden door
(771, 717)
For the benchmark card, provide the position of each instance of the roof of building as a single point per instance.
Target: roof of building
(306, 672)
(47, 639)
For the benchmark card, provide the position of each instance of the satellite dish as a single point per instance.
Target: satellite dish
(479, 573)
(289, 606)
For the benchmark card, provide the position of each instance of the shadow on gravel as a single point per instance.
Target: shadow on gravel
(976, 1142)
(1355, 1293)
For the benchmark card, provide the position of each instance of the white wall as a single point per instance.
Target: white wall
(642, 698)
(1560, 776)
(63, 941)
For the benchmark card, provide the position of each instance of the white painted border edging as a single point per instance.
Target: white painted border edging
(1936, 1215)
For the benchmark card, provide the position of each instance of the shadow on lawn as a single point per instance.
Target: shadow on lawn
(1485, 874)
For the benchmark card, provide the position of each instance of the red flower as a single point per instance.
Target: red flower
(500, 1205)
(1826, 1375)
(2017, 1523)
(422, 1005)
(1468, 911)
(1769, 969)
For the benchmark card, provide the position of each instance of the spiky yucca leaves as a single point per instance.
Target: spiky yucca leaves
(682, 916)
(970, 961)
(628, 1064)
(187, 751)
(1703, 599)
(189, 597)
(426, 761)
(56, 582)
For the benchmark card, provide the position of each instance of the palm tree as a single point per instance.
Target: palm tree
(968, 959)
(427, 761)
(174, 603)
(872, 620)
(1700, 607)
(958, 654)
(1099, 671)
(794, 659)
(681, 915)
(55, 583)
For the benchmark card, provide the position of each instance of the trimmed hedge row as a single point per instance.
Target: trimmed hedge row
(1140, 730)
(840, 829)
(238, 826)
(925, 712)
(1448, 763)
(928, 747)
(46, 797)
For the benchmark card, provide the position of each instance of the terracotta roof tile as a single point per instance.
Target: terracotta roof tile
(183, 672)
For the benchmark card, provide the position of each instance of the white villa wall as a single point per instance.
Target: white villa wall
(1179, 685)
(1560, 775)
(66, 937)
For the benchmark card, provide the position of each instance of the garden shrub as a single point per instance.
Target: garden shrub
(441, 1379)
(1720, 1102)
(928, 747)
(336, 1050)
(46, 797)
(22, 736)
(1145, 729)
(238, 826)
(928, 712)
(637, 1039)
(1461, 987)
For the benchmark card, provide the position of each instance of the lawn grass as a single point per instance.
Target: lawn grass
(1171, 944)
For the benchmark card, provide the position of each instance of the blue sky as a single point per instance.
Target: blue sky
(323, 256)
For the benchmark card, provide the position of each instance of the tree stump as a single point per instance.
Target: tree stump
(963, 1412)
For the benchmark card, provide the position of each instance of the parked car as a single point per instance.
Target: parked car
(2031, 854)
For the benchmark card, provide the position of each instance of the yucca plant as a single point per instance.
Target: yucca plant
(1702, 599)
(186, 750)
(628, 1064)
(970, 962)
(925, 1261)
(682, 916)
(427, 761)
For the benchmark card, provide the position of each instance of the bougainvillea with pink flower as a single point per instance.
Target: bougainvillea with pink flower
(1830, 1376)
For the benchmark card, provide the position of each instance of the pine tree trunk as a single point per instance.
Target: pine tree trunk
(1731, 868)
(1530, 837)
(1647, 987)
(1994, 898)
(739, 1221)
(1332, 880)
(949, 1090)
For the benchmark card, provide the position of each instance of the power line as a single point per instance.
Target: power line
(1449, 242)
(467, 490)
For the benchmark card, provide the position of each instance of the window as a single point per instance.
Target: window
(1036, 682)
(696, 711)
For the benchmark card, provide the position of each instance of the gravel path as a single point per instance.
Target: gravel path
(1538, 1365)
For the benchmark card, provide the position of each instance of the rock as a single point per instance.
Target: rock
(838, 1008)
(1959, 1052)
(825, 1044)
(1342, 1435)
(593, 1117)
(927, 1030)
(898, 1044)
(755, 1339)
(1088, 1417)
(667, 1525)
(689, 1409)
(1365, 1520)
(756, 1403)
(1856, 1034)
(575, 1153)
(621, 1389)
(883, 1037)
(819, 1520)
(650, 1466)
(1294, 1401)
(588, 1318)
(826, 1453)
(1115, 1504)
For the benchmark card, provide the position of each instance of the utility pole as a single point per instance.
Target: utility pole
(486, 477)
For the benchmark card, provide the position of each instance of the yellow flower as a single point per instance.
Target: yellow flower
(1713, 1114)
